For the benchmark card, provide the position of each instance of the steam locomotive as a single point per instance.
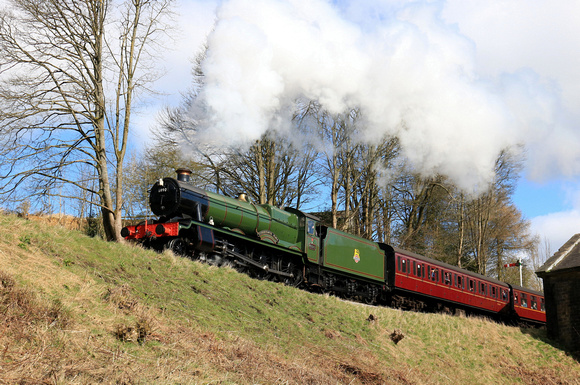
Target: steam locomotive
(294, 247)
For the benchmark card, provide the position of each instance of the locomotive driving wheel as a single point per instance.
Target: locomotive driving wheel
(291, 268)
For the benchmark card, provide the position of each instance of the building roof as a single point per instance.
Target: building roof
(568, 257)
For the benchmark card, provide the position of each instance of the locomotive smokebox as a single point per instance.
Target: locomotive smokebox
(183, 175)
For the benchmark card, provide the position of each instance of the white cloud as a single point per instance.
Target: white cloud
(557, 228)
(515, 34)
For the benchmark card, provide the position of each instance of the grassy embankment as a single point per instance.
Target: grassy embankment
(77, 310)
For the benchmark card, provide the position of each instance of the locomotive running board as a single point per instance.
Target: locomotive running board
(266, 268)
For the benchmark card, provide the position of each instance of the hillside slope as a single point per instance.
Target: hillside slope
(77, 310)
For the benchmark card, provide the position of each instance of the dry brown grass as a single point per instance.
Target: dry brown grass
(28, 332)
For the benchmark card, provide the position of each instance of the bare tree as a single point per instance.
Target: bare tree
(272, 171)
(419, 203)
(70, 71)
(538, 257)
(334, 133)
(495, 228)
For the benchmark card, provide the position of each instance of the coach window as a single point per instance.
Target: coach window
(471, 285)
(404, 266)
(419, 272)
(516, 299)
(524, 300)
(504, 294)
(534, 303)
(542, 304)
(447, 278)
(431, 273)
(493, 291)
(434, 276)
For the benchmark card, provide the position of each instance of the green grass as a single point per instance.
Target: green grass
(80, 310)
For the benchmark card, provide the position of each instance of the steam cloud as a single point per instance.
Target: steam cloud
(412, 74)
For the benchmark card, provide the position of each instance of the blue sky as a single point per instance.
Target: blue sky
(536, 199)
(480, 75)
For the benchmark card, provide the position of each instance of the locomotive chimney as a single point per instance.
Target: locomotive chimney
(183, 174)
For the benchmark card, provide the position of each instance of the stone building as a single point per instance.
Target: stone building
(561, 275)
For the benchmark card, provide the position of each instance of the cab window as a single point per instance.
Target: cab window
(311, 226)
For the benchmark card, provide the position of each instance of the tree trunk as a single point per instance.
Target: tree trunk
(461, 230)
(261, 174)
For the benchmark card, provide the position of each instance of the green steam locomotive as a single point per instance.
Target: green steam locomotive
(265, 241)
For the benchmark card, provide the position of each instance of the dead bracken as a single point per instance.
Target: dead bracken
(396, 336)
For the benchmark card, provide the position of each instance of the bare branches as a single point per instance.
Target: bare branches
(56, 63)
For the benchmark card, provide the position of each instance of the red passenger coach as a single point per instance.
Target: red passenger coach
(529, 305)
(436, 283)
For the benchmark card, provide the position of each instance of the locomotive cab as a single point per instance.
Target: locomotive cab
(308, 234)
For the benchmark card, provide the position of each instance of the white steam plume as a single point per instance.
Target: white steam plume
(410, 73)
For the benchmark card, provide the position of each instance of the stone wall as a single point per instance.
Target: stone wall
(562, 293)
